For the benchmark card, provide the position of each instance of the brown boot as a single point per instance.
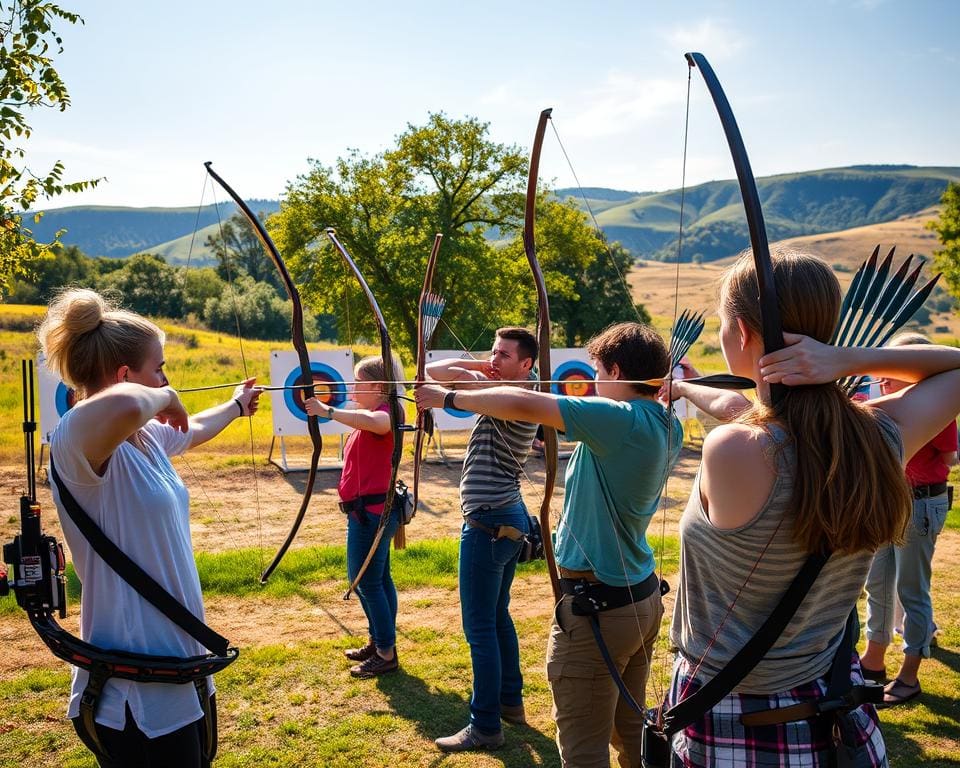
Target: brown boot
(469, 739)
(361, 654)
(513, 714)
(376, 665)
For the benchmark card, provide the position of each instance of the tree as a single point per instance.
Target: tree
(251, 309)
(446, 176)
(197, 286)
(585, 277)
(148, 285)
(55, 269)
(947, 227)
(240, 252)
(27, 80)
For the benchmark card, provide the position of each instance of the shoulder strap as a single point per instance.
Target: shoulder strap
(148, 588)
(704, 699)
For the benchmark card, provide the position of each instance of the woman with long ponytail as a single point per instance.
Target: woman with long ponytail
(812, 473)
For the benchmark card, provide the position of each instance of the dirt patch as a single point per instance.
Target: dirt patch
(235, 507)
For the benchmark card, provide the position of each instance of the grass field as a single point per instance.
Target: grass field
(288, 700)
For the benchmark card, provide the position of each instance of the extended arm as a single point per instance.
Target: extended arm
(377, 422)
(501, 402)
(208, 424)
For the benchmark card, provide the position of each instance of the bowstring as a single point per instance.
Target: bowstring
(656, 685)
(183, 459)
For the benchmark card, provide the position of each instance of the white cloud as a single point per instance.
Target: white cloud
(622, 103)
(714, 37)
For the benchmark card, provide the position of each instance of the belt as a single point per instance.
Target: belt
(566, 573)
(869, 693)
(926, 491)
(594, 596)
(362, 502)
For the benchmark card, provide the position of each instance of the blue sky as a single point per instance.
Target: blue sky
(158, 88)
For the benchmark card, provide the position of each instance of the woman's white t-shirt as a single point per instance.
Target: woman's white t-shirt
(143, 507)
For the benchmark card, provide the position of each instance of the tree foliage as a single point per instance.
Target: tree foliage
(947, 227)
(251, 309)
(446, 176)
(239, 251)
(28, 80)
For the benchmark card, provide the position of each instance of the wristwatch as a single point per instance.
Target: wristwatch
(330, 410)
(448, 400)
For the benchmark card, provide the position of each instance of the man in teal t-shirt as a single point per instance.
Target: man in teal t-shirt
(627, 444)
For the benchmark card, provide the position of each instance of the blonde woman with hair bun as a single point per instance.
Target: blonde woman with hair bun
(112, 452)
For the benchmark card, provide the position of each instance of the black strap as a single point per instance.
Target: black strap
(148, 588)
(706, 698)
(612, 668)
(89, 700)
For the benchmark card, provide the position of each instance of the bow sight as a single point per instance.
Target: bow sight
(35, 560)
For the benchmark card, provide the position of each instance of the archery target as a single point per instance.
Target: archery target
(572, 373)
(330, 370)
(451, 418)
(55, 399)
(574, 378)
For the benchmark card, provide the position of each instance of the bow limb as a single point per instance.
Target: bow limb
(769, 307)
(550, 447)
(306, 374)
(396, 416)
(424, 417)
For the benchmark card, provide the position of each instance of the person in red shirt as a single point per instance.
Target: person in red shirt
(906, 571)
(363, 489)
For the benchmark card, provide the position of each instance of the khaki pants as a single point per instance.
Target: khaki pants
(586, 703)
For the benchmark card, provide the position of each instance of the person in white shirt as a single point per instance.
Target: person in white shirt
(112, 452)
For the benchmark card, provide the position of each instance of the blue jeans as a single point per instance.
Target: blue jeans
(376, 591)
(906, 571)
(486, 573)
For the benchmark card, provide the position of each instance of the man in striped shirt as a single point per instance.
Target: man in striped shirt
(491, 502)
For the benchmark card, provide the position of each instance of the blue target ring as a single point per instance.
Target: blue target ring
(574, 378)
(329, 386)
(64, 398)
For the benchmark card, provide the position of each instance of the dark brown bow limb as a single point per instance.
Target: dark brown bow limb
(550, 446)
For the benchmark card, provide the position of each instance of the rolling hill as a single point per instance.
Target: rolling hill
(116, 231)
(655, 284)
(795, 205)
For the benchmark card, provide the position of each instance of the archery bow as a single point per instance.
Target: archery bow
(550, 447)
(306, 374)
(396, 416)
(428, 314)
(766, 289)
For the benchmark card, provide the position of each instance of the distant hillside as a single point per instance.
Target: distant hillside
(116, 232)
(794, 205)
(656, 284)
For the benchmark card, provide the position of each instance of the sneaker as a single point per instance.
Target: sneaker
(376, 665)
(469, 739)
(361, 654)
(513, 714)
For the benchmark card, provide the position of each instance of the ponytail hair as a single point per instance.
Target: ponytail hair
(850, 491)
(85, 338)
